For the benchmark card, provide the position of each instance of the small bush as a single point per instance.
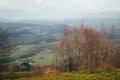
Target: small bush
(50, 71)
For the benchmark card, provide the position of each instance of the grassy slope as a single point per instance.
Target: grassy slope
(21, 50)
(45, 59)
(42, 57)
(79, 75)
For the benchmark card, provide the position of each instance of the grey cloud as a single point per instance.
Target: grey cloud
(57, 9)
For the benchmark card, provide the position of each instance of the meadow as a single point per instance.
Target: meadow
(37, 53)
(76, 75)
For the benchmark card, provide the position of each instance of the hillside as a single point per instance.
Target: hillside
(34, 31)
(33, 37)
(27, 33)
(39, 54)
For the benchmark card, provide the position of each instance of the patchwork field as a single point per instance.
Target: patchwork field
(39, 53)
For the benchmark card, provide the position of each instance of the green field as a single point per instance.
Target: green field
(78, 75)
(38, 53)
(21, 50)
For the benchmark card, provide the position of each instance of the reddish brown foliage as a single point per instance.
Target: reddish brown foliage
(49, 71)
(84, 48)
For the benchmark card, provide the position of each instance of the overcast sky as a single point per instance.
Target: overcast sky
(59, 9)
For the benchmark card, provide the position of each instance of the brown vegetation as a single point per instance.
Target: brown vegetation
(85, 48)
(49, 71)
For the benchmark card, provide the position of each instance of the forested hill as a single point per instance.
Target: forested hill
(25, 33)
(34, 31)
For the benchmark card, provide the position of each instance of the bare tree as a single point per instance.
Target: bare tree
(85, 48)
(107, 34)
